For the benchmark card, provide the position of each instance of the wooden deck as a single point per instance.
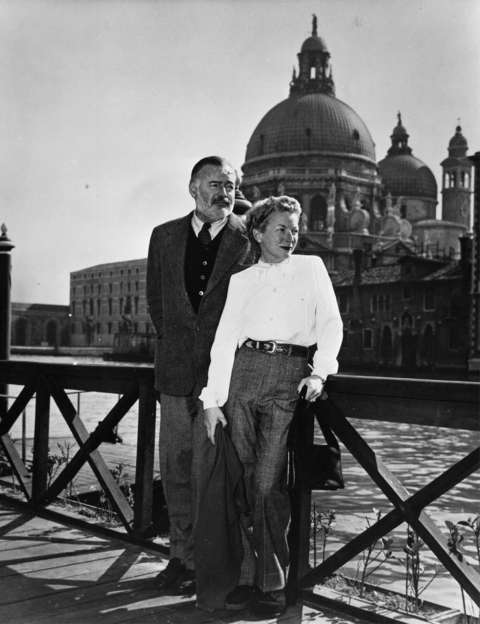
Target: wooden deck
(51, 573)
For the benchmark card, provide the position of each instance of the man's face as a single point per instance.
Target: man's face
(214, 192)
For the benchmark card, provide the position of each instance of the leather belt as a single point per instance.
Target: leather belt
(271, 346)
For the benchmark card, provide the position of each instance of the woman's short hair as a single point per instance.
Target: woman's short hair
(259, 214)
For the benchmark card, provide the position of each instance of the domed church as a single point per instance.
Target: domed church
(317, 148)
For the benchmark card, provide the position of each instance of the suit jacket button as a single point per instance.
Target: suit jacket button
(200, 292)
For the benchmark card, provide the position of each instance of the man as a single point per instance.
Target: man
(190, 261)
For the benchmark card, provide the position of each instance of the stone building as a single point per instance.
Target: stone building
(40, 325)
(108, 299)
(412, 314)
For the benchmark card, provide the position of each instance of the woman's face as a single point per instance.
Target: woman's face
(279, 238)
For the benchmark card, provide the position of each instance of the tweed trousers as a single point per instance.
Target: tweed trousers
(181, 436)
(260, 408)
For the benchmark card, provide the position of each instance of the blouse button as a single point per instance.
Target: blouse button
(204, 263)
(200, 292)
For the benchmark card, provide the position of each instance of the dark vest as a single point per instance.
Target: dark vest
(199, 261)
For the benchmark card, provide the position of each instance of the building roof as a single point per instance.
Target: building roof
(406, 175)
(315, 122)
(374, 275)
(390, 273)
(450, 271)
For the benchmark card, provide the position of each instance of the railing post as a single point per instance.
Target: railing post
(300, 500)
(145, 459)
(474, 355)
(40, 441)
(6, 247)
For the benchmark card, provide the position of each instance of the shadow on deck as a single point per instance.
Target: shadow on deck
(51, 572)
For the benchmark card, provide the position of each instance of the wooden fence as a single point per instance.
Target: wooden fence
(450, 404)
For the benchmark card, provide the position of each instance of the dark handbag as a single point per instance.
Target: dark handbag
(315, 466)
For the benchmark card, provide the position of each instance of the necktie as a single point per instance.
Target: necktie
(204, 235)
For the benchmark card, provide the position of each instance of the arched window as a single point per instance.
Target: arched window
(51, 333)
(386, 346)
(20, 334)
(318, 213)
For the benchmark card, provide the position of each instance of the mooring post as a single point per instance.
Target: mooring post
(5, 309)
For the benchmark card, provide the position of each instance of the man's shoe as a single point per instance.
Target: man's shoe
(268, 604)
(186, 585)
(169, 577)
(239, 598)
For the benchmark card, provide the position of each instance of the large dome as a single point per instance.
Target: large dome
(406, 175)
(315, 122)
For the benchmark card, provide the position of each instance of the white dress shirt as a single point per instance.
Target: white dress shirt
(292, 301)
(214, 229)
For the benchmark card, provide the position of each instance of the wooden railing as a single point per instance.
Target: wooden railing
(421, 402)
(50, 381)
(449, 404)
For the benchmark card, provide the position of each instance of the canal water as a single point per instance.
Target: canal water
(415, 454)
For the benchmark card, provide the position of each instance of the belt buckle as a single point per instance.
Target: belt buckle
(273, 349)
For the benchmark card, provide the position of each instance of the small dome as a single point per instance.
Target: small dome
(314, 44)
(315, 122)
(406, 175)
(458, 145)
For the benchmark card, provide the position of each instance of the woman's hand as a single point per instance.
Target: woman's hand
(313, 385)
(212, 416)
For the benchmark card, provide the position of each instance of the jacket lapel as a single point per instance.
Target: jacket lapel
(176, 250)
(231, 247)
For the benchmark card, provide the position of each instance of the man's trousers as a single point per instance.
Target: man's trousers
(181, 433)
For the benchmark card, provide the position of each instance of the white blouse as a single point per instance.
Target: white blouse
(292, 301)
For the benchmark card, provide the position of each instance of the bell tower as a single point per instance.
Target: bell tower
(457, 181)
(314, 68)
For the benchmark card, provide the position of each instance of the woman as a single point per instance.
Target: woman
(275, 314)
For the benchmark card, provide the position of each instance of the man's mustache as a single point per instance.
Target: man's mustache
(222, 201)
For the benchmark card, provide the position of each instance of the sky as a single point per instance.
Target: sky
(106, 104)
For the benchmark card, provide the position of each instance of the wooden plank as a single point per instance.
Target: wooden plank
(146, 437)
(95, 460)
(93, 441)
(100, 377)
(428, 412)
(16, 408)
(19, 469)
(300, 503)
(40, 444)
(394, 518)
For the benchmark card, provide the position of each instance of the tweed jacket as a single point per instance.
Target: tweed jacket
(184, 338)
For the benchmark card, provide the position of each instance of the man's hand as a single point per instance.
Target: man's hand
(313, 386)
(212, 416)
